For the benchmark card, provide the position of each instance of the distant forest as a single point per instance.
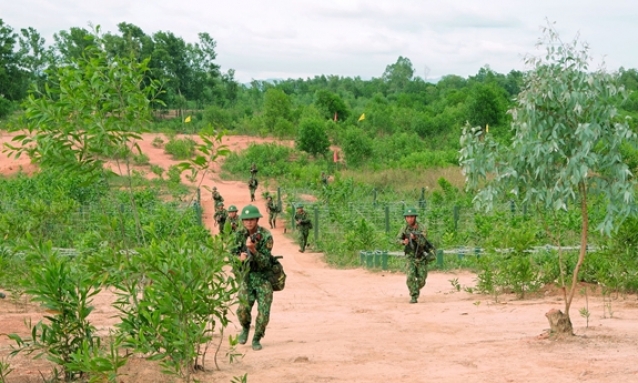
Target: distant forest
(387, 121)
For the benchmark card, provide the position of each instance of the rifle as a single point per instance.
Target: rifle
(427, 247)
(254, 238)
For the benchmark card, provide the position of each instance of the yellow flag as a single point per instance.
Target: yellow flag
(187, 119)
(362, 117)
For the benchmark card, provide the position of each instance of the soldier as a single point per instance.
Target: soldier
(414, 237)
(273, 209)
(252, 186)
(324, 179)
(303, 226)
(253, 170)
(253, 244)
(220, 216)
(217, 198)
(233, 218)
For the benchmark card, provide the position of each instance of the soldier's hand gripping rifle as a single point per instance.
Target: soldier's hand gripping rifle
(413, 243)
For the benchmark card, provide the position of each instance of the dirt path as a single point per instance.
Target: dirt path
(357, 326)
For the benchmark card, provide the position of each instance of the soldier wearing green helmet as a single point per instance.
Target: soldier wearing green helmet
(217, 198)
(253, 245)
(220, 216)
(233, 218)
(413, 236)
(303, 225)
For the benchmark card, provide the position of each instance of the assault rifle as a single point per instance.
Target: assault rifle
(428, 247)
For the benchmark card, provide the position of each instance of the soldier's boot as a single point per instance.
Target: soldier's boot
(256, 342)
(273, 224)
(243, 335)
(413, 300)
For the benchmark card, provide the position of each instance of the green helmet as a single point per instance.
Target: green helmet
(232, 208)
(250, 211)
(410, 211)
(299, 206)
(214, 187)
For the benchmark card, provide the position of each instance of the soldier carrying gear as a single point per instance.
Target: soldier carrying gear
(220, 216)
(217, 198)
(233, 218)
(303, 224)
(414, 238)
(253, 245)
(273, 210)
(252, 186)
(253, 170)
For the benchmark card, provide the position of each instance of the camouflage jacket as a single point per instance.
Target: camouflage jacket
(261, 260)
(221, 215)
(304, 221)
(420, 232)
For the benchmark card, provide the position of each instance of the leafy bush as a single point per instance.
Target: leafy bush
(180, 148)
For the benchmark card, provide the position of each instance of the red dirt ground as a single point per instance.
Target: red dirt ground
(357, 326)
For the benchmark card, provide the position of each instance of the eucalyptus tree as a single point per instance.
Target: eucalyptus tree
(565, 150)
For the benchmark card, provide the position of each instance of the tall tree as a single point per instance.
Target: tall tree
(566, 148)
(398, 75)
(13, 80)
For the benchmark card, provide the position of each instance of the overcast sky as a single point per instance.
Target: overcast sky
(265, 39)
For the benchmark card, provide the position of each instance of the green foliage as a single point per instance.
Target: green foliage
(65, 290)
(277, 106)
(330, 104)
(565, 147)
(173, 318)
(180, 148)
(312, 137)
(356, 145)
(108, 96)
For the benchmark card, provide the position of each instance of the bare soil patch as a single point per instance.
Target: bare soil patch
(355, 325)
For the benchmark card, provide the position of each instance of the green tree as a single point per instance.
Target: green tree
(398, 75)
(312, 137)
(566, 148)
(356, 145)
(13, 80)
(330, 104)
(277, 105)
(486, 105)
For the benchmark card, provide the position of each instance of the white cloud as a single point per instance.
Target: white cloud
(303, 38)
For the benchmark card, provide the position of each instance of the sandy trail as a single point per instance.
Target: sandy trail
(357, 326)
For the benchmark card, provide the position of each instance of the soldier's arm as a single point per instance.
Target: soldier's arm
(263, 255)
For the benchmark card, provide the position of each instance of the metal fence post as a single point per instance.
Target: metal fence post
(422, 200)
(316, 224)
(387, 218)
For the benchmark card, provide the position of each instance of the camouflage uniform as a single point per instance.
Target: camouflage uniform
(217, 198)
(233, 222)
(416, 264)
(255, 286)
(303, 227)
(252, 185)
(272, 208)
(220, 217)
(324, 179)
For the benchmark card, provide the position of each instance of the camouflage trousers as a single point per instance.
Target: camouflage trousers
(272, 217)
(303, 238)
(416, 271)
(252, 194)
(255, 287)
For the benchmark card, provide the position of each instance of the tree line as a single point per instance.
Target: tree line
(403, 113)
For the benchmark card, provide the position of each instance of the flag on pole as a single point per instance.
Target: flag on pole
(362, 117)
(187, 119)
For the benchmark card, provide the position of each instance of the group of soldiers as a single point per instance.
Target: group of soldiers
(253, 245)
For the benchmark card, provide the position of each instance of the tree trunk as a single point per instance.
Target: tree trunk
(559, 323)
